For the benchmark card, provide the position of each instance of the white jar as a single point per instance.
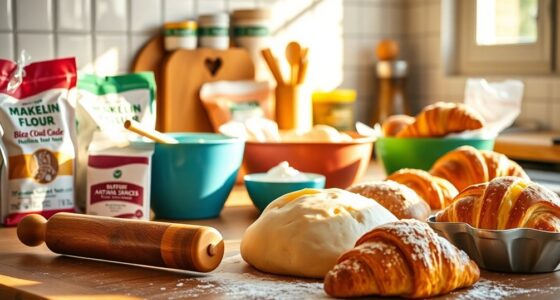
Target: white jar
(251, 31)
(180, 35)
(213, 31)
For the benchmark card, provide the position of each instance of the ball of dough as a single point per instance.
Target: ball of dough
(303, 233)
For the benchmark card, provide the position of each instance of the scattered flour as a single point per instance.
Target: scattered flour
(485, 289)
(249, 286)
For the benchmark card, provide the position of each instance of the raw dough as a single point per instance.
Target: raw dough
(303, 233)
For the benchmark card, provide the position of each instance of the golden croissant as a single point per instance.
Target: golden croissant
(505, 203)
(405, 258)
(400, 200)
(442, 118)
(437, 192)
(466, 166)
(394, 124)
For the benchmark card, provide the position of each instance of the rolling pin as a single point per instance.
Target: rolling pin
(179, 246)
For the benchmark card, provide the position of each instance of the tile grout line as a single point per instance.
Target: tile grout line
(93, 35)
(55, 23)
(15, 34)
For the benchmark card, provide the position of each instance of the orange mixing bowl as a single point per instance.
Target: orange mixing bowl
(341, 163)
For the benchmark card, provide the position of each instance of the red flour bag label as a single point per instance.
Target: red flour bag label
(118, 178)
(38, 138)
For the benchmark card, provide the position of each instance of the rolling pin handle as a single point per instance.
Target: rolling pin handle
(211, 249)
(31, 230)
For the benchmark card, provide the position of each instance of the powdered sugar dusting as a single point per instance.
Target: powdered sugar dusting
(485, 289)
(417, 235)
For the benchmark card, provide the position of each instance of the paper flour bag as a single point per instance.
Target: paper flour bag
(104, 103)
(38, 138)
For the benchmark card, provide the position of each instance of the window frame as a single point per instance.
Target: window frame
(512, 59)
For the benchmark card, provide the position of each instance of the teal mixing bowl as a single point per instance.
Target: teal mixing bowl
(262, 191)
(193, 179)
(420, 153)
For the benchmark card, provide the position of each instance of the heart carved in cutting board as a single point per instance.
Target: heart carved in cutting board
(213, 65)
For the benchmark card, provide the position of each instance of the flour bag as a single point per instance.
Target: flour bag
(38, 138)
(104, 103)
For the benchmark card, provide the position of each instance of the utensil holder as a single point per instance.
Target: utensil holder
(293, 107)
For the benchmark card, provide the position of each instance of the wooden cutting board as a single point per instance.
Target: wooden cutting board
(179, 77)
(184, 73)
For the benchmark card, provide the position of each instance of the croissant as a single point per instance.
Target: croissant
(466, 166)
(404, 258)
(394, 124)
(403, 202)
(442, 118)
(504, 203)
(436, 191)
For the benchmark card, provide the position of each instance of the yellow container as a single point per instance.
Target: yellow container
(334, 108)
(180, 35)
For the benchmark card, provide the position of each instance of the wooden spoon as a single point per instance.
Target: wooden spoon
(152, 134)
(293, 55)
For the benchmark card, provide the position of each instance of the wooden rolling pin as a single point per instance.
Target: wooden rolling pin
(179, 246)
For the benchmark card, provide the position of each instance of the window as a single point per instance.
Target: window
(506, 36)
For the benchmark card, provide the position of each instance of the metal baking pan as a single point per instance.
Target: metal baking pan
(520, 250)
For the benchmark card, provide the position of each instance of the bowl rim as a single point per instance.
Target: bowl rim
(220, 139)
(360, 139)
(437, 139)
(314, 177)
(496, 232)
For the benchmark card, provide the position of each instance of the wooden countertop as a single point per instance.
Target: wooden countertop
(532, 146)
(37, 273)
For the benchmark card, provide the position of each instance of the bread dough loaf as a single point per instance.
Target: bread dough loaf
(303, 233)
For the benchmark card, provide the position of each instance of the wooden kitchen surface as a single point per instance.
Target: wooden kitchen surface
(532, 146)
(37, 273)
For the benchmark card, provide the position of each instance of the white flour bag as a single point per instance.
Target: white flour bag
(38, 138)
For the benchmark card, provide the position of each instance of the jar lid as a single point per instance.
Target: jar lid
(243, 14)
(180, 25)
(340, 96)
(214, 19)
(392, 68)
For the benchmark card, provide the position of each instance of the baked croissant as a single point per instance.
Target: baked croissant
(442, 118)
(504, 203)
(404, 258)
(394, 124)
(466, 166)
(403, 202)
(436, 191)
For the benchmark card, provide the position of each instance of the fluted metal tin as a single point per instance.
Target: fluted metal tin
(520, 250)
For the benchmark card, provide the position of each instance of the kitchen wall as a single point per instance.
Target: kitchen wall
(104, 35)
(422, 35)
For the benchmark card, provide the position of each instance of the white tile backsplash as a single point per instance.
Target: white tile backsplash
(537, 112)
(105, 35)
(74, 15)
(7, 49)
(538, 88)
(145, 15)
(371, 16)
(111, 54)
(6, 12)
(210, 7)
(138, 40)
(178, 10)
(77, 45)
(350, 22)
(392, 20)
(241, 4)
(34, 15)
(111, 16)
(38, 46)
(433, 17)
